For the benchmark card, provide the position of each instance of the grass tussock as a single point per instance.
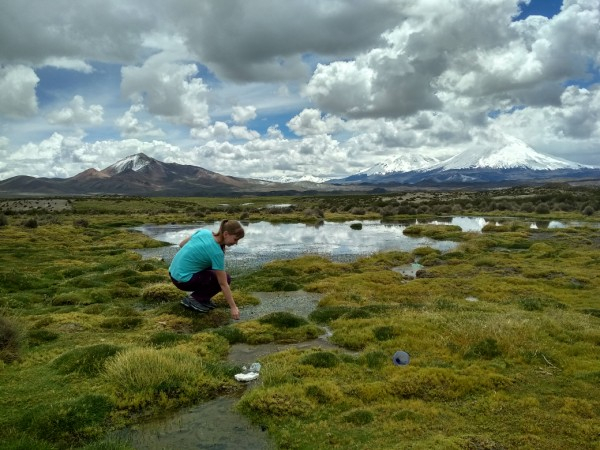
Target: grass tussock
(85, 360)
(162, 292)
(70, 422)
(277, 327)
(143, 377)
(11, 339)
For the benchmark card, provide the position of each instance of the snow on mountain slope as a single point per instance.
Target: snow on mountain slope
(510, 153)
(404, 163)
(302, 179)
(133, 162)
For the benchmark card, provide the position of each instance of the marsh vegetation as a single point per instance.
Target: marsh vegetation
(503, 330)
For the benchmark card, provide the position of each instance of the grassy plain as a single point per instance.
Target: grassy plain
(503, 332)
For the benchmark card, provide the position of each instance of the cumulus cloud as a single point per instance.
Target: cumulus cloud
(573, 124)
(69, 64)
(338, 86)
(579, 115)
(49, 32)
(267, 39)
(77, 114)
(169, 90)
(64, 156)
(220, 131)
(17, 91)
(310, 122)
(132, 127)
(242, 114)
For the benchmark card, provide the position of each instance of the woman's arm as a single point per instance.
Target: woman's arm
(222, 279)
(185, 241)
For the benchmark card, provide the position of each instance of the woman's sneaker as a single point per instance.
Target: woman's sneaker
(209, 304)
(191, 303)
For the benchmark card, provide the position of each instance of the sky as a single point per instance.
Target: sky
(293, 89)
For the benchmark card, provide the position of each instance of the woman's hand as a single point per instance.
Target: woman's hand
(235, 313)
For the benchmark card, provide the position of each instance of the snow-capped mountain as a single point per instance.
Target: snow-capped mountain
(508, 161)
(512, 153)
(404, 163)
(303, 179)
(133, 162)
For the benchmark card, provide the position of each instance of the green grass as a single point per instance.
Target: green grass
(503, 332)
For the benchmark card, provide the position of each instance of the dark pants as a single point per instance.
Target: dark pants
(203, 285)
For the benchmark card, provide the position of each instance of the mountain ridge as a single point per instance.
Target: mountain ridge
(136, 174)
(139, 174)
(510, 160)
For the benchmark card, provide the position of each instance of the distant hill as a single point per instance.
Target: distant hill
(139, 174)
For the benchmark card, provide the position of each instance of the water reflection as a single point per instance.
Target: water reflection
(337, 241)
(265, 241)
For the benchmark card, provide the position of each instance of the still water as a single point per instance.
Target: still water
(265, 241)
(337, 241)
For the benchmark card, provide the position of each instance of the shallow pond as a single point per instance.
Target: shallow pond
(265, 241)
(338, 241)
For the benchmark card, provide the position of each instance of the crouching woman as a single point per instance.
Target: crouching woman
(199, 266)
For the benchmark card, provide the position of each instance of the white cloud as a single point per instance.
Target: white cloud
(579, 115)
(17, 91)
(69, 64)
(101, 30)
(220, 131)
(77, 114)
(132, 127)
(309, 122)
(274, 132)
(355, 82)
(169, 90)
(266, 40)
(243, 114)
(570, 130)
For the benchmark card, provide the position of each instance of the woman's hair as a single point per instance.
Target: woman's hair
(232, 227)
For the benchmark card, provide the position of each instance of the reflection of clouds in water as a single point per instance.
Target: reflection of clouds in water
(265, 241)
(281, 241)
(465, 223)
(556, 224)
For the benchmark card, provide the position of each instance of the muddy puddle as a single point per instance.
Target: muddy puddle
(299, 303)
(409, 270)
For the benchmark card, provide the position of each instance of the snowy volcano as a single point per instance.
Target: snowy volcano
(512, 153)
(133, 162)
(507, 160)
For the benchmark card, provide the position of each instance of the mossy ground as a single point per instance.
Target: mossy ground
(503, 331)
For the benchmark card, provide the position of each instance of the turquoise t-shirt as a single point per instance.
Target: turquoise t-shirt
(201, 252)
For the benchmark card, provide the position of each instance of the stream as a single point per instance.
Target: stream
(216, 425)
